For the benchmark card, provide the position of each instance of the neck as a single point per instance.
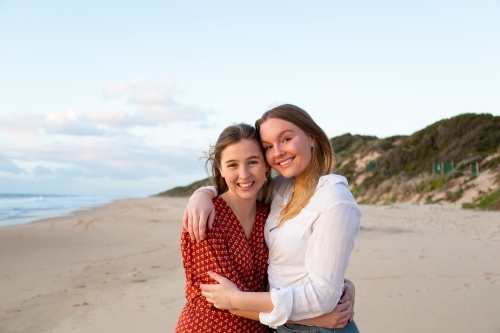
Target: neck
(243, 208)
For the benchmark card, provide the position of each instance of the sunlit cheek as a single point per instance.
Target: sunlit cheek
(269, 156)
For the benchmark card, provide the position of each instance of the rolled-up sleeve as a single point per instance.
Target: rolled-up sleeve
(282, 299)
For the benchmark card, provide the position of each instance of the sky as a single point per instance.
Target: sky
(121, 98)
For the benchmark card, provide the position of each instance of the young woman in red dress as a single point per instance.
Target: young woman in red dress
(235, 247)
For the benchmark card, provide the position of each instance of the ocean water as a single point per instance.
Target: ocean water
(25, 208)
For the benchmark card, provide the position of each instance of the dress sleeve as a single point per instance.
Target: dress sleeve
(326, 260)
(197, 261)
(199, 258)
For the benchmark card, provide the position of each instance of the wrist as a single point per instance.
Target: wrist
(237, 299)
(204, 190)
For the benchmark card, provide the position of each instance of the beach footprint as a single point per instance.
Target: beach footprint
(465, 286)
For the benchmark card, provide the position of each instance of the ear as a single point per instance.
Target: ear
(313, 142)
(221, 173)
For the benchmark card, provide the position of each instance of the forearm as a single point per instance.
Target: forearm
(247, 314)
(253, 301)
(350, 285)
(210, 190)
(308, 321)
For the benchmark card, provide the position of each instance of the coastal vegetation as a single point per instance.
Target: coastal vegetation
(401, 168)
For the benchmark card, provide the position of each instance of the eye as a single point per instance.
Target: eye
(267, 147)
(232, 165)
(287, 139)
(253, 162)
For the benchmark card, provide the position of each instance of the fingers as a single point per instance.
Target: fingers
(215, 276)
(346, 298)
(342, 307)
(201, 222)
(211, 219)
(190, 228)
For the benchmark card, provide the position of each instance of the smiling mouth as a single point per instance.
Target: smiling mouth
(245, 185)
(286, 162)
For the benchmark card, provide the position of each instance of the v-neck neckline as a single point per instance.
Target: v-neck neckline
(239, 222)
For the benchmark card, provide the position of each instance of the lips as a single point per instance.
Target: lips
(285, 162)
(245, 185)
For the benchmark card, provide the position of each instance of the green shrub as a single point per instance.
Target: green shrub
(491, 201)
(468, 205)
(454, 196)
(437, 183)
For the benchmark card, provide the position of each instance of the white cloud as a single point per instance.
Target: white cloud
(110, 118)
(70, 147)
(21, 129)
(150, 98)
(69, 123)
(111, 157)
(161, 113)
(155, 101)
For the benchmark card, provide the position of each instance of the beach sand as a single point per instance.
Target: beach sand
(117, 268)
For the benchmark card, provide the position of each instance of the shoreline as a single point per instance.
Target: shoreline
(44, 214)
(118, 267)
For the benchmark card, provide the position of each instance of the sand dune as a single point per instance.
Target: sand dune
(118, 268)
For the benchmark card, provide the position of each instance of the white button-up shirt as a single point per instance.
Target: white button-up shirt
(309, 254)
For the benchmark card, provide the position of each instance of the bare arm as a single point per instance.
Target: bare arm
(340, 316)
(247, 314)
(226, 295)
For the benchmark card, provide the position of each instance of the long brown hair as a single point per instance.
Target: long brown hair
(229, 136)
(322, 158)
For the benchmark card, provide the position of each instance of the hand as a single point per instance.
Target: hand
(338, 318)
(222, 294)
(198, 210)
(348, 296)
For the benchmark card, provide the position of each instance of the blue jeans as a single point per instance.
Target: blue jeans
(292, 328)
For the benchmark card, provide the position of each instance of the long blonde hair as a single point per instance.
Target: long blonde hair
(229, 136)
(322, 159)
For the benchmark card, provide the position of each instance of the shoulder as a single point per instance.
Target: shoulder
(332, 190)
(223, 213)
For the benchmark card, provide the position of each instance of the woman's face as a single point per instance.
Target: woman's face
(287, 147)
(244, 168)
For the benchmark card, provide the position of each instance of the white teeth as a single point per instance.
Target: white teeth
(244, 185)
(285, 162)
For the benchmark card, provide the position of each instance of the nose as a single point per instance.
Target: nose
(245, 172)
(278, 151)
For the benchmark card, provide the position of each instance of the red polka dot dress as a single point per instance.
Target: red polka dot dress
(228, 252)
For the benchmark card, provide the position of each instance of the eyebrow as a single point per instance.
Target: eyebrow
(251, 157)
(287, 130)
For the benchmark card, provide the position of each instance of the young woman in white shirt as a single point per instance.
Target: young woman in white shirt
(310, 231)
